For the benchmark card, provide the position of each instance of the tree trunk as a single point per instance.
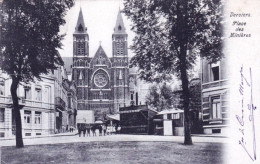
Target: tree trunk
(186, 98)
(16, 110)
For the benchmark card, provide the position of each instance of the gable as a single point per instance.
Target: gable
(100, 59)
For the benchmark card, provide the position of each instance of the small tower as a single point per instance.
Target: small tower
(80, 38)
(120, 63)
(81, 60)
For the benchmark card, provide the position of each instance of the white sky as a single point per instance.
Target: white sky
(100, 19)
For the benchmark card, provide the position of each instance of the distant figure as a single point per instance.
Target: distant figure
(93, 129)
(79, 129)
(108, 130)
(100, 130)
(104, 129)
(113, 129)
(88, 130)
(119, 129)
(84, 130)
(116, 129)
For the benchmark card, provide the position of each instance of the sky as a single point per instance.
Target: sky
(100, 19)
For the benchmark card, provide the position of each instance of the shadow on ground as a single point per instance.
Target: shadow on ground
(117, 153)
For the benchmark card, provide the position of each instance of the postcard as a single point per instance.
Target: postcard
(110, 98)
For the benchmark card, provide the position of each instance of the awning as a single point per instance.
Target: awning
(157, 120)
(99, 122)
(113, 117)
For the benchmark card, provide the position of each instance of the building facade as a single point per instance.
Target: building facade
(102, 83)
(37, 101)
(215, 95)
(65, 101)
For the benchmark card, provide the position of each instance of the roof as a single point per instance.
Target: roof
(119, 27)
(81, 23)
(68, 62)
(170, 111)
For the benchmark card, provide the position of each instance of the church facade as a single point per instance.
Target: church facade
(102, 83)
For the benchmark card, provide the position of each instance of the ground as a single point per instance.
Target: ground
(96, 150)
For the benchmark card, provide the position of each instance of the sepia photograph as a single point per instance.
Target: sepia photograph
(129, 81)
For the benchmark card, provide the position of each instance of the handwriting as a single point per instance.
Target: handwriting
(247, 136)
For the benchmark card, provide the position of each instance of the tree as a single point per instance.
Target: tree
(160, 97)
(170, 35)
(29, 42)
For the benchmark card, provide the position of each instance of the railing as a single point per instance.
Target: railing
(60, 103)
(30, 103)
(215, 84)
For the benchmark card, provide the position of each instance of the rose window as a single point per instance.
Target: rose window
(100, 80)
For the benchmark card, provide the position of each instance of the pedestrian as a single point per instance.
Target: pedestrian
(84, 130)
(93, 129)
(119, 129)
(79, 129)
(100, 130)
(88, 130)
(113, 129)
(108, 130)
(104, 129)
(116, 127)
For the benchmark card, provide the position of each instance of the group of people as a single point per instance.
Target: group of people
(113, 129)
(102, 129)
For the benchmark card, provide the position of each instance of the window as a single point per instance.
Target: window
(38, 94)
(132, 96)
(215, 71)
(37, 119)
(27, 93)
(176, 116)
(81, 48)
(80, 28)
(1, 89)
(216, 109)
(27, 117)
(169, 116)
(2, 115)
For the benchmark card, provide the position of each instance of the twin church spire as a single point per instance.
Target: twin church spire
(118, 29)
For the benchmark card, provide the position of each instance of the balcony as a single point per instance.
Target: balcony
(7, 100)
(59, 103)
(213, 84)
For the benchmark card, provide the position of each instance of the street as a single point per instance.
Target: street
(115, 149)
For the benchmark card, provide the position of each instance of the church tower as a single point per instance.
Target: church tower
(81, 61)
(120, 64)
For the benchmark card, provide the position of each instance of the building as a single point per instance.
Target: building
(136, 119)
(65, 100)
(38, 110)
(215, 95)
(48, 105)
(169, 122)
(102, 82)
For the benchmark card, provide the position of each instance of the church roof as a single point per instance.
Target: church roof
(68, 61)
(80, 27)
(119, 27)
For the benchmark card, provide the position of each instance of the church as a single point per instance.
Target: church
(103, 84)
